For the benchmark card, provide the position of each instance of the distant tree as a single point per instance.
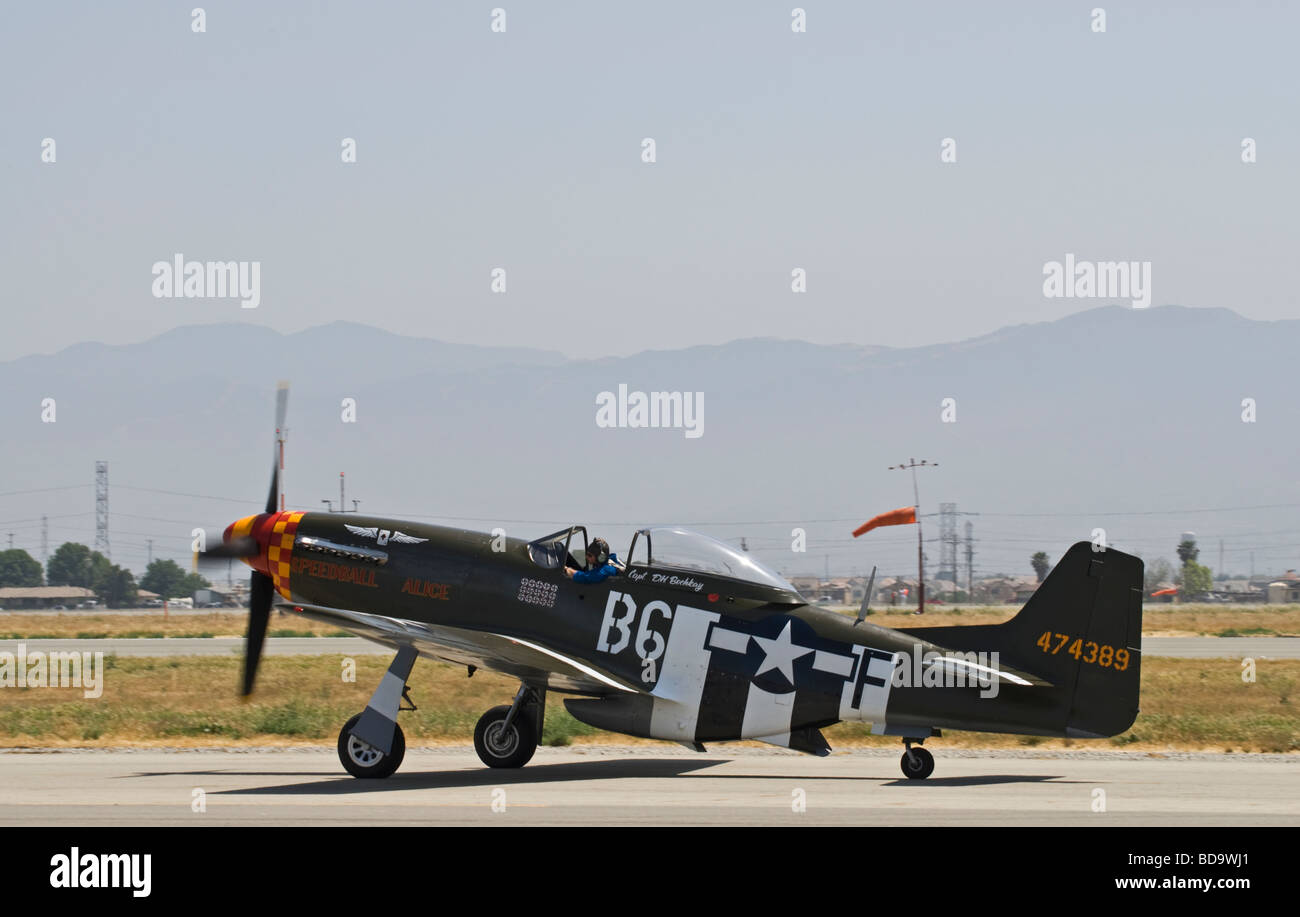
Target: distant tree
(192, 583)
(1188, 551)
(75, 565)
(18, 568)
(1157, 572)
(1195, 579)
(115, 587)
(1040, 564)
(166, 578)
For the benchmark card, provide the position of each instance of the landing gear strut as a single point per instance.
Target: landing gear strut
(917, 762)
(507, 736)
(371, 744)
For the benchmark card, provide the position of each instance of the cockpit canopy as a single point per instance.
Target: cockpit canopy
(669, 547)
(551, 551)
(662, 548)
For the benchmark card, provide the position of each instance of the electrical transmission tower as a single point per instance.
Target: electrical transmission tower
(101, 508)
(970, 560)
(947, 542)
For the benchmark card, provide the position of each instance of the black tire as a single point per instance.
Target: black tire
(516, 749)
(918, 764)
(362, 760)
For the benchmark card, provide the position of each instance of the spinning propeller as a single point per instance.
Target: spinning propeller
(250, 547)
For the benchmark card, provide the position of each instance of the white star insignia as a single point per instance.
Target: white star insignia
(781, 654)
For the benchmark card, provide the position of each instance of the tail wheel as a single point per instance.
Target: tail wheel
(917, 764)
(363, 760)
(501, 747)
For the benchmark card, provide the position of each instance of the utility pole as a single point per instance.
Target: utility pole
(343, 501)
(11, 541)
(149, 544)
(45, 541)
(912, 465)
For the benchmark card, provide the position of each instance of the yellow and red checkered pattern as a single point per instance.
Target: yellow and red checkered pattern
(274, 533)
(279, 550)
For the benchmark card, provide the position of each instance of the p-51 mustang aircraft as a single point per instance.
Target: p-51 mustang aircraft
(693, 641)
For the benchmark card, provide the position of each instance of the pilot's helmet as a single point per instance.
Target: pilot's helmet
(599, 548)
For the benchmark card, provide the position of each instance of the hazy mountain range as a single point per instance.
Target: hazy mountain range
(1078, 423)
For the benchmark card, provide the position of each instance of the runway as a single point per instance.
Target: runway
(1178, 647)
(647, 785)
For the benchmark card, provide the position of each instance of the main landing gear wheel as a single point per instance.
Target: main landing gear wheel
(499, 747)
(917, 763)
(362, 760)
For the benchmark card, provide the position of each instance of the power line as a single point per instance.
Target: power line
(41, 490)
(173, 493)
(1155, 512)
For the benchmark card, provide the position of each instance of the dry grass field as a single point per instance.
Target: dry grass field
(1159, 620)
(1187, 704)
(83, 625)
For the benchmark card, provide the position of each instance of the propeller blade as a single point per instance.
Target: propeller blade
(281, 404)
(281, 414)
(260, 592)
(273, 499)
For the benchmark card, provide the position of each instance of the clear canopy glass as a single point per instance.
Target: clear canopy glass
(682, 549)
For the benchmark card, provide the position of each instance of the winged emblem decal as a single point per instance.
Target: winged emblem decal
(383, 536)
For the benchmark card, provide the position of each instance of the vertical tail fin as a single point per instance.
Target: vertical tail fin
(1082, 632)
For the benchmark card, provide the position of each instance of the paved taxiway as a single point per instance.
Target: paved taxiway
(660, 785)
(1183, 647)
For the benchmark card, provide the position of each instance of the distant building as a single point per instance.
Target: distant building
(806, 585)
(1006, 590)
(43, 596)
(1285, 590)
(208, 597)
(891, 591)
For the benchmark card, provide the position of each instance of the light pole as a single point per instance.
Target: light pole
(913, 464)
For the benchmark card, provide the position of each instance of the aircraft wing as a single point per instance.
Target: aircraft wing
(530, 662)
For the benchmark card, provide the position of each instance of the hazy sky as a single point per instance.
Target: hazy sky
(522, 150)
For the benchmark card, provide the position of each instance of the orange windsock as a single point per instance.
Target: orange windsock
(903, 516)
(1173, 591)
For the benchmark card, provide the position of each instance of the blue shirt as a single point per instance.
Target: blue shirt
(599, 575)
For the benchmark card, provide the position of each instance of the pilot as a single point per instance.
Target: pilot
(600, 564)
